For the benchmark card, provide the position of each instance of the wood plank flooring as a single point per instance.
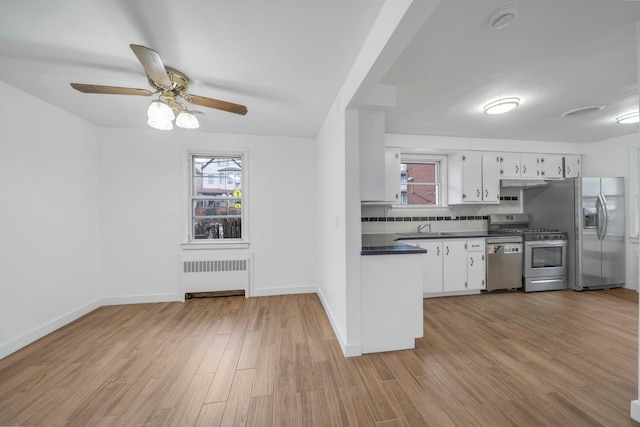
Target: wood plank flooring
(502, 359)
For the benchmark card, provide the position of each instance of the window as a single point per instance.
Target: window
(420, 180)
(216, 197)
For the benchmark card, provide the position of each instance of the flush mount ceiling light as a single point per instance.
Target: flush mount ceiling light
(501, 106)
(628, 118)
(503, 17)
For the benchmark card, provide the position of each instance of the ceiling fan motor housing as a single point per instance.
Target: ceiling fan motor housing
(179, 81)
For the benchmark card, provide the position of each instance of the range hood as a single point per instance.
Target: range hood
(523, 183)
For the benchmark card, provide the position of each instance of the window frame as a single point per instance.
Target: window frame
(634, 193)
(229, 243)
(441, 178)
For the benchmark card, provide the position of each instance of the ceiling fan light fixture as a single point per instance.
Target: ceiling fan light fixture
(501, 106)
(628, 118)
(187, 120)
(160, 111)
(160, 123)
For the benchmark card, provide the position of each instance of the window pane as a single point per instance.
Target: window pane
(216, 197)
(420, 183)
(421, 194)
(216, 176)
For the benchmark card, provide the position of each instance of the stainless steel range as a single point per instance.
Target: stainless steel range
(545, 251)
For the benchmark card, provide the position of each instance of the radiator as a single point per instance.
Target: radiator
(215, 274)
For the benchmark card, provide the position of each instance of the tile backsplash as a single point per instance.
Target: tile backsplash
(385, 219)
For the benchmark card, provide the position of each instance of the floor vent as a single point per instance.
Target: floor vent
(218, 294)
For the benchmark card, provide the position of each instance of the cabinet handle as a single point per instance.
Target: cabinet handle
(486, 193)
(568, 170)
(438, 251)
(524, 169)
(517, 169)
(478, 193)
(559, 170)
(447, 250)
(471, 261)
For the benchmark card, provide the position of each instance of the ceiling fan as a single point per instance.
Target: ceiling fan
(170, 84)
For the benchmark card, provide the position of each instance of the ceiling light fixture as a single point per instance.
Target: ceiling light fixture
(503, 17)
(163, 111)
(501, 106)
(628, 118)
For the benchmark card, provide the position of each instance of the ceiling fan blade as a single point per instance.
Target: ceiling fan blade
(150, 60)
(214, 103)
(114, 90)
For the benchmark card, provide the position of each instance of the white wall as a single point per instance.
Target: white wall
(612, 158)
(144, 211)
(49, 221)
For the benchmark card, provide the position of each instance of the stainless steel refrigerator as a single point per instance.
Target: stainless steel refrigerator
(591, 211)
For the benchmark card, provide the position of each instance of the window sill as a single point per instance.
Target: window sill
(207, 246)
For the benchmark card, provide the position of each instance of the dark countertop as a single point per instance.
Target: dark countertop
(392, 243)
(395, 249)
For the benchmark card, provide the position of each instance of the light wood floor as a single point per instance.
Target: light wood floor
(512, 359)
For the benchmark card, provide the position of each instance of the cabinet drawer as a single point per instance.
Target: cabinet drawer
(476, 245)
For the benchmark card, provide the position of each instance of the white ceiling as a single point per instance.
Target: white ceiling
(557, 55)
(286, 60)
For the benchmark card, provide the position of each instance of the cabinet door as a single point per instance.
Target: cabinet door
(551, 166)
(472, 177)
(510, 165)
(431, 266)
(572, 166)
(530, 166)
(476, 268)
(455, 265)
(392, 176)
(432, 273)
(491, 178)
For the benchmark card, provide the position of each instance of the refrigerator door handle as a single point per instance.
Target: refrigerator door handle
(605, 211)
(599, 216)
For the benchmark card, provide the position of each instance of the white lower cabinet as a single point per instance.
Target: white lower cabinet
(476, 265)
(452, 266)
(455, 265)
(431, 265)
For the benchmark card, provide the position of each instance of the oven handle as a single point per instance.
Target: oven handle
(536, 243)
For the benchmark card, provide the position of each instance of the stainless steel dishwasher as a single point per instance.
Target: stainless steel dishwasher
(504, 262)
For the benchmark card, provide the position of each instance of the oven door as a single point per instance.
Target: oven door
(545, 258)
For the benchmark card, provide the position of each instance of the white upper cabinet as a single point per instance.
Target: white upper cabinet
(551, 166)
(392, 177)
(572, 166)
(473, 178)
(372, 155)
(529, 166)
(490, 178)
(510, 165)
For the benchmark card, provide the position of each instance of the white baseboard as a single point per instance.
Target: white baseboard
(39, 332)
(267, 292)
(635, 410)
(141, 299)
(349, 350)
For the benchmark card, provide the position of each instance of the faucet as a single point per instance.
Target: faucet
(421, 227)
